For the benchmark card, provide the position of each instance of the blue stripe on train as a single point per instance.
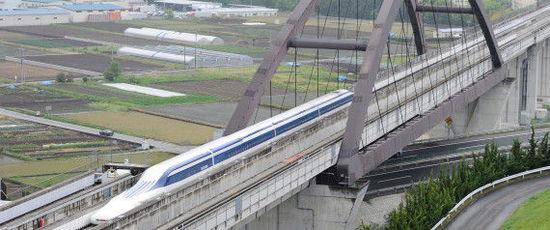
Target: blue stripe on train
(255, 141)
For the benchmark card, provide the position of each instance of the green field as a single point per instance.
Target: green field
(533, 214)
(145, 125)
(43, 43)
(124, 99)
(306, 77)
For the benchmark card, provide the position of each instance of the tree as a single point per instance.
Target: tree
(60, 77)
(169, 14)
(113, 72)
(85, 79)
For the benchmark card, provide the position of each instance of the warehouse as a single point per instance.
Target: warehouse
(34, 16)
(94, 12)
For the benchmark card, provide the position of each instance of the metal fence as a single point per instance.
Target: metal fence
(441, 224)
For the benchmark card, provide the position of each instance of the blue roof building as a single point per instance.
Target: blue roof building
(91, 7)
(43, 1)
(33, 17)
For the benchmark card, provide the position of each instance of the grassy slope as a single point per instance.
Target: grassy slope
(533, 214)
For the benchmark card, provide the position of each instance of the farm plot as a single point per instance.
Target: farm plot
(60, 31)
(121, 99)
(230, 89)
(38, 100)
(6, 50)
(93, 62)
(28, 141)
(149, 126)
(99, 91)
(55, 43)
(44, 173)
(31, 73)
(213, 113)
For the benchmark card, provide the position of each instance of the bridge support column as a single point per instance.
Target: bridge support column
(320, 207)
(544, 77)
(512, 102)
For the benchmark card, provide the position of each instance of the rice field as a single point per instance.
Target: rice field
(149, 126)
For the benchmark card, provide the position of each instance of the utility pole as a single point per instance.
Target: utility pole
(22, 74)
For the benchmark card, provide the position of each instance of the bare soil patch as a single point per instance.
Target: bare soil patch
(39, 100)
(230, 89)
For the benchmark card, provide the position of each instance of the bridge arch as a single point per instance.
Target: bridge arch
(349, 168)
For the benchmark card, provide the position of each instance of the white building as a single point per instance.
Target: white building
(448, 32)
(237, 12)
(33, 16)
(94, 12)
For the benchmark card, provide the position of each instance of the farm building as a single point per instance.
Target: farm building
(33, 16)
(188, 55)
(94, 12)
(173, 36)
(237, 12)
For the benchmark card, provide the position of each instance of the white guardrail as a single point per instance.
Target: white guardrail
(482, 189)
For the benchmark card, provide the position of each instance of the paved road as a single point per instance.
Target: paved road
(492, 210)
(413, 171)
(160, 145)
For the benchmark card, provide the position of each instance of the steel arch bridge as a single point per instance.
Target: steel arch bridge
(354, 161)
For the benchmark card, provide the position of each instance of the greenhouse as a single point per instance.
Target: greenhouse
(190, 56)
(173, 36)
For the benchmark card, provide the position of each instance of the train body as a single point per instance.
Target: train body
(173, 172)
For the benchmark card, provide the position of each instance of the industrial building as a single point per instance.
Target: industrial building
(94, 12)
(33, 16)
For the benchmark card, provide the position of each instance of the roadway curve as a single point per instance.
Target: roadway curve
(492, 210)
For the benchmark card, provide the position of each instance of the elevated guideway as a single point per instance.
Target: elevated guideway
(69, 208)
(242, 189)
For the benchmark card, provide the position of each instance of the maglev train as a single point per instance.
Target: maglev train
(173, 172)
